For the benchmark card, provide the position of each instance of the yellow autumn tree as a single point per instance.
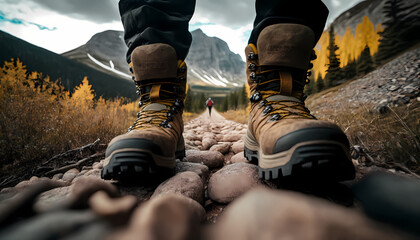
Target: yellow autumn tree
(350, 46)
(366, 35)
(83, 95)
(346, 48)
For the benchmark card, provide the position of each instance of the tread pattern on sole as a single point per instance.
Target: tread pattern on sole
(132, 165)
(317, 161)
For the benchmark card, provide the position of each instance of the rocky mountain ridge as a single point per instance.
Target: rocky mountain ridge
(210, 62)
(373, 9)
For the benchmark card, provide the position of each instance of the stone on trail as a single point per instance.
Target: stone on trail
(211, 159)
(228, 156)
(52, 199)
(289, 215)
(70, 175)
(57, 176)
(116, 209)
(223, 148)
(170, 217)
(239, 158)
(232, 181)
(232, 137)
(237, 147)
(208, 142)
(202, 170)
(187, 184)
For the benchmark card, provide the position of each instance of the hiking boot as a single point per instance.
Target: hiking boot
(154, 142)
(283, 137)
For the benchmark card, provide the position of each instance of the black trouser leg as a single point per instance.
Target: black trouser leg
(210, 111)
(157, 21)
(312, 13)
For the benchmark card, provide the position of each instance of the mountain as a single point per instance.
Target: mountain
(70, 72)
(210, 62)
(373, 9)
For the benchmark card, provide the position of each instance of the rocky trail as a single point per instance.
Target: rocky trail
(215, 194)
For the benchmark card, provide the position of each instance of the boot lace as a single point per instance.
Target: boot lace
(266, 92)
(171, 93)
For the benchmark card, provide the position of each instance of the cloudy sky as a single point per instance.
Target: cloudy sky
(62, 25)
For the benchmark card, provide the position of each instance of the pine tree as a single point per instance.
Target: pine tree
(401, 29)
(189, 100)
(320, 84)
(233, 100)
(333, 71)
(201, 103)
(349, 71)
(364, 63)
(243, 97)
(225, 105)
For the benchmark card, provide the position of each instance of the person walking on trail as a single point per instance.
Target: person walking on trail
(209, 104)
(283, 137)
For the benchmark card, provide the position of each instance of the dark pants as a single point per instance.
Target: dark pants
(210, 109)
(163, 21)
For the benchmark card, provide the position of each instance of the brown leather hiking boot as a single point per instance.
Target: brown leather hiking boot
(154, 141)
(283, 136)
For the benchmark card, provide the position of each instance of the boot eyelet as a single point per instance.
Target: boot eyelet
(182, 78)
(252, 56)
(267, 110)
(253, 76)
(165, 124)
(262, 103)
(170, 116)
(133, 78)
(182, 69)
(174, 110)
(255, 97)
(178, 103)
(130, 129)
(252, 67)
(138, 114)
(140, 103)
(274, 118)
(131, 69)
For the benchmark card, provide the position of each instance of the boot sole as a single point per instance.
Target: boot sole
(127, 164)
(320, 160)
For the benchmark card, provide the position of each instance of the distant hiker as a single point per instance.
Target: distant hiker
(209, 104)
(285, 139)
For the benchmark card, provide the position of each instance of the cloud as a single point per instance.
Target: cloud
(42, 27)
(337, 7)
(99, 11)
(232, 13)
(18, 21)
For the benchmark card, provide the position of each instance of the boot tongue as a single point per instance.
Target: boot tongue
(154, 107)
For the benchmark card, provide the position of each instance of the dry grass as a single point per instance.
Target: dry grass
(239, 115)
(38, 120)
(388, 138)
(187, 116)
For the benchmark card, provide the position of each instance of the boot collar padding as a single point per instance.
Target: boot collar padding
(154, 61)
(285, 45)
